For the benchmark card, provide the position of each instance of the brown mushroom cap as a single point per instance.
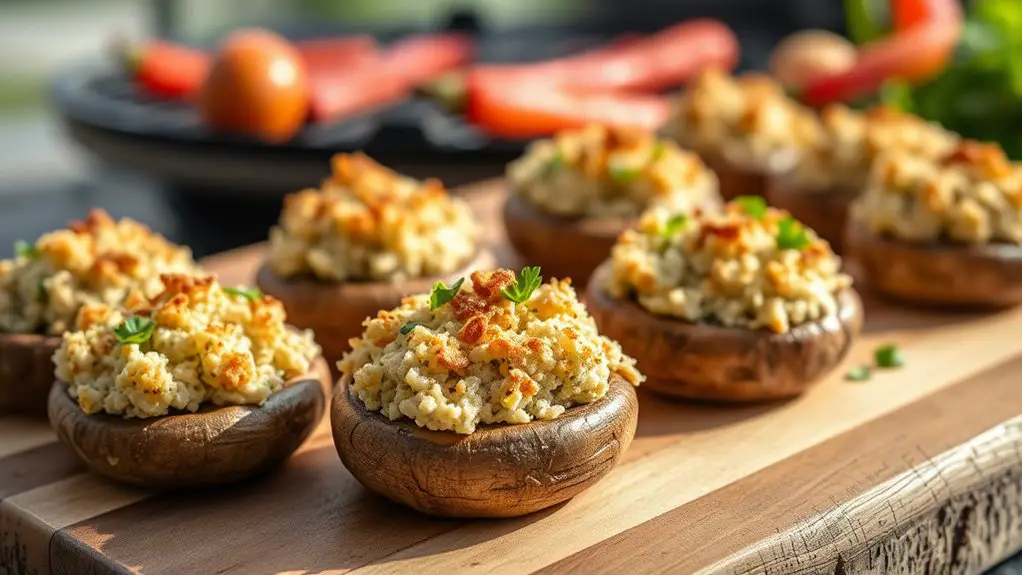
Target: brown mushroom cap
(212, 446)
(825, 211)
(700, 361)
(562, 246)
(26, 372)
(979, 276)
(335, 311)
(734, 179)
(497, 471)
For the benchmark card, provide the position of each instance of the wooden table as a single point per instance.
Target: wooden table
(917, 471)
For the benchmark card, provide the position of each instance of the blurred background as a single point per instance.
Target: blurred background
(47, 177)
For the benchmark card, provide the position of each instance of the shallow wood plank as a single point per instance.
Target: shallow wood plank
(20, 434)
(800, 487)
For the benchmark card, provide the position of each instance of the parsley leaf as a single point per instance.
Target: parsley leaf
(860, 373)
(251, 294)
(527, 281)
(753, 206)
(408, 327)
(888, 356)
(673, 225)
(791, 235)
(135, 329)
(556, 163)
(624, 174)
(23, 249)
(442, 294)
(658, 152)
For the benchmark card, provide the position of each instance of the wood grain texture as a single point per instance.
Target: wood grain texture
(698, 485)
(497, 471)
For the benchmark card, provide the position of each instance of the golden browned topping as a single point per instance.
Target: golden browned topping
(748, 121)
(192, 343)
(608, 172)
(370, 223)
(498, 348)
(94, 261)
(747, 266)
(973, 195)
(850, 141)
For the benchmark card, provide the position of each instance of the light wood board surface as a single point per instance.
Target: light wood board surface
(918, 470)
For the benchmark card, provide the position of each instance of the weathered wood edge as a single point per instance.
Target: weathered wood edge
(960, 512)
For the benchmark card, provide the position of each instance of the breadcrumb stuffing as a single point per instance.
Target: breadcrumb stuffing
(370, 223)
(483, 359)
(746, 120)
(207, 346)
(94, 261)
(726, 268)
(971, 195)
(611, 172)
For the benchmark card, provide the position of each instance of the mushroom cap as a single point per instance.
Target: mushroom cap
(939, 275)
(499, 470)
(733, 364)
(26, 372)
(562, 246)
(335, 311)
(215, 445)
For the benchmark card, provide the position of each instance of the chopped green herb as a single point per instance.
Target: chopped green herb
(625, 174)
(40, 292)
(251, 294)
(860, 373)
(658, 152)
(753, 206)
(791, 235)
(408, 327)
(442, 294)
(673, 225)
(556, 163)
(888, 356)
(527, 281)
(135, 329)
(26, 250)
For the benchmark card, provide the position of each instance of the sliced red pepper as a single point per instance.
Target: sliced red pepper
(908, 14)
(339, 51)
(388, 78)
(663, 60)
(926, 34)
(168, 70)
(528, 111)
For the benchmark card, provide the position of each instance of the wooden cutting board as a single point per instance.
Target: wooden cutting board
(917, 471)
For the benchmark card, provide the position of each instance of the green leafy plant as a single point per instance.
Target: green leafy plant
(525, 283)
(555, 163)
(791, 235)
(251, 294)
(408, 327)
(752, 206)
(442, 294)
(135, 330)
(624, 174)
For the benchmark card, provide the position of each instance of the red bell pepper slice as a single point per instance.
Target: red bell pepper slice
(527, 111)
(920, 48)
(663, 60)
(388, 78)
(168, 70)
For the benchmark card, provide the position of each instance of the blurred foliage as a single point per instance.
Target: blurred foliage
(979, 95)
(867, 19)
